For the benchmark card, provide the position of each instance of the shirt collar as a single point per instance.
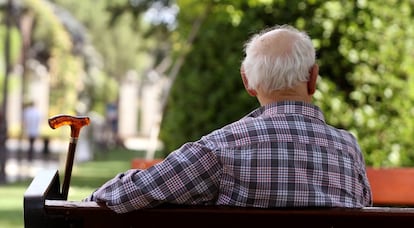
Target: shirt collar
(289, 107)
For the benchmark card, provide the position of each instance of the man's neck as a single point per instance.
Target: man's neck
(297, 93)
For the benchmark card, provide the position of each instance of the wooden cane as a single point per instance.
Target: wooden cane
(75, 123)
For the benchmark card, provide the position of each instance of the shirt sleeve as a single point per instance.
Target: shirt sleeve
(189, 175)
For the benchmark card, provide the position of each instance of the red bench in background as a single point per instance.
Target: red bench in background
(392, 186)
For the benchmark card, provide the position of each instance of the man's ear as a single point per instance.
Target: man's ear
(313, 76)
(251, 92)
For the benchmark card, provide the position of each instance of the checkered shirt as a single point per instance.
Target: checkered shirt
(280, 155)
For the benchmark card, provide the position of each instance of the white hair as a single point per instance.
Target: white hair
(275, 71)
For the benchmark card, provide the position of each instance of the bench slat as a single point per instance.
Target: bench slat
(91, 214)
(58, 206)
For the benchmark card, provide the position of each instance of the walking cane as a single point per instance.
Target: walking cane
(75, 123)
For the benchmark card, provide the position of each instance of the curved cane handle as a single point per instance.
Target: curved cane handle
(75, 123)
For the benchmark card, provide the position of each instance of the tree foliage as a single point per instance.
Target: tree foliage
(363, 49)
(366, 67)
(115, 47)
(65, 69)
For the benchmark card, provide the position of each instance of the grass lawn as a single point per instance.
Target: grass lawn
(86, 177)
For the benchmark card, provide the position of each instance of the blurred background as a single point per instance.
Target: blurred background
(153, 74)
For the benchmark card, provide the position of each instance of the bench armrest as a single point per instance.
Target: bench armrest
(44, 186)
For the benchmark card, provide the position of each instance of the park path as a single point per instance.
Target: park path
(19, 168)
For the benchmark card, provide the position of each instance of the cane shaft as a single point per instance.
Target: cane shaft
(68, 168)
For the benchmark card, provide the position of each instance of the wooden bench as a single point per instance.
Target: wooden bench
(44, 207)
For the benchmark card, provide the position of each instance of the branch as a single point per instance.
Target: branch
(171, 79)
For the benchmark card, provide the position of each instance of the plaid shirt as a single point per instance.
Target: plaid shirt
(280, 155)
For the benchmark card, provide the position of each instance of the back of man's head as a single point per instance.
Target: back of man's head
(278, 58)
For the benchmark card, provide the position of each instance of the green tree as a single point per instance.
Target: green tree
(64, 67)
(363, 47)
(122, 40)
(364, 50)
(208, 92)
(376, 101)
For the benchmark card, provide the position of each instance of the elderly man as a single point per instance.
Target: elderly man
(283, 154)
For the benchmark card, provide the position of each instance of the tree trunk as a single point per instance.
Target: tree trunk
(3, 110)
(156, 125)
